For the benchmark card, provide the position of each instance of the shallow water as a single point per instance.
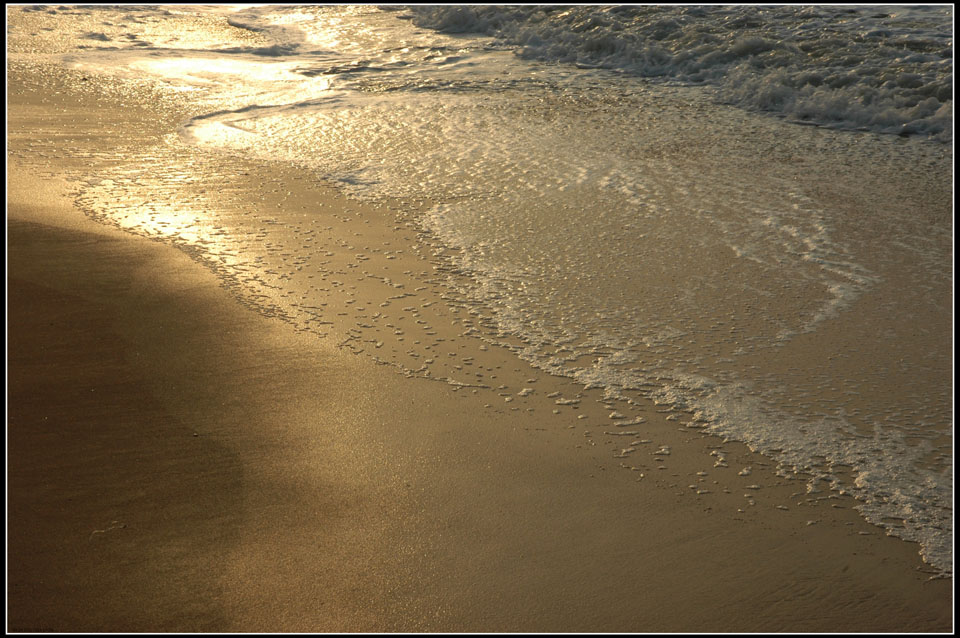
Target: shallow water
(648, 233)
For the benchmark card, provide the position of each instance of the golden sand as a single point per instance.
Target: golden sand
(178, 461)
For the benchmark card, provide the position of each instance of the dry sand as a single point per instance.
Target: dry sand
(180, 462)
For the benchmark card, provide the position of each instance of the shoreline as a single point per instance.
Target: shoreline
(326, 492)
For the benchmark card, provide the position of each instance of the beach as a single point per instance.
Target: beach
(189, 452)
(228, 474)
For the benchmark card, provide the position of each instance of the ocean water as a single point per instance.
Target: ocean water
(742, 213)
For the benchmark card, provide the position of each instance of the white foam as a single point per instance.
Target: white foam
(886, 69)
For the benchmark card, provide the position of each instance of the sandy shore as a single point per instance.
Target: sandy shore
(180, 462)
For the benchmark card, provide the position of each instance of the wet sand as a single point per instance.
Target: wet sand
(178, 461)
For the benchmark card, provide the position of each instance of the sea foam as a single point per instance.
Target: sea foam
(885, 69)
